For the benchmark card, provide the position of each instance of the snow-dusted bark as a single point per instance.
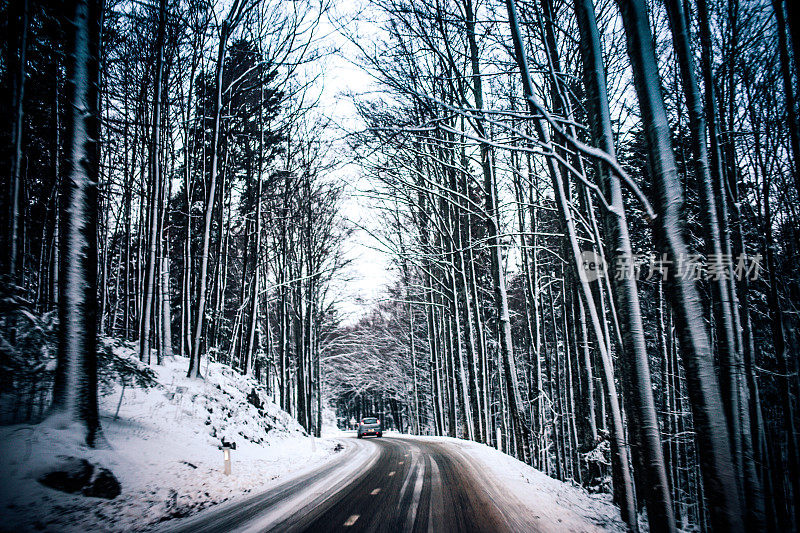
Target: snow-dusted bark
(211, 197)
(462, 239)
(788, 88)
(622, 474)
(511, 382)
(249, 349)
(155, 200)
(164, 298)
(643, 423)
(232, 19)
(531, 319)
(780, 337)
(453, 247)
(732, 380)
(713, 439)
(19, 30)
(75, 388)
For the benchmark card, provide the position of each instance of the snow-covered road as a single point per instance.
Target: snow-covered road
(404, 483)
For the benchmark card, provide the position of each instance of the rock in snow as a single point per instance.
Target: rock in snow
(75, 475)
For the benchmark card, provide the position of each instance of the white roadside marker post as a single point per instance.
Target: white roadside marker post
(226, 455)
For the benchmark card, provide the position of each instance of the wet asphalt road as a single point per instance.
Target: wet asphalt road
(411, 485)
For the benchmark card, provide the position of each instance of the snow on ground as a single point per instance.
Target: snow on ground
(539, 501)
(163, 449)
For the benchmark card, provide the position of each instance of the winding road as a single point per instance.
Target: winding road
(387, 484)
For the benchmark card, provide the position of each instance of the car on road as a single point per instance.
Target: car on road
(369, 426)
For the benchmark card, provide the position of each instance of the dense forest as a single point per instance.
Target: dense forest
(166, 188)
(592, 210)
(593, 213)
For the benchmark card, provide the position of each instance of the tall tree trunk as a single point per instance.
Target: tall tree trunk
(511, 382)
(623, 485)
(779, 341)
(17, 45)
(155, 192)
(753, 436)
(730, 356)
(416, 427)
(709, 215)
(164, 280)
(713, 439)
(54, 277)
(194, 359)
(788, 88)
(461, 235)
(249, 352)
(75, 386)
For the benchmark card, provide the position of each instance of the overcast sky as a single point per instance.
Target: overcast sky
(369, 272)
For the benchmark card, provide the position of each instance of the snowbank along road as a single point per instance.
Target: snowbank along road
(388, 484)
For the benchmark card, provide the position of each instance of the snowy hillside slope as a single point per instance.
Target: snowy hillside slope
(164, 450)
